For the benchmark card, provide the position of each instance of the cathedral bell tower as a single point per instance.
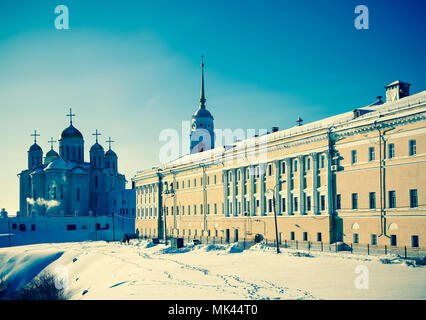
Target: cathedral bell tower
(202, 136)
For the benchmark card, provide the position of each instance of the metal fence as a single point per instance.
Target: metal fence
(338, 248)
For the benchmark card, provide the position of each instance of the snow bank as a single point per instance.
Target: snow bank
(144, 270)
(18, 267)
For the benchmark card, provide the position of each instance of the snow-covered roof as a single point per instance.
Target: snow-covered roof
(58, 164)
(374, 110)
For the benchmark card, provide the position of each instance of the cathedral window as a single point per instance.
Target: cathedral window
(78, 194)
(96, 181)
(73, 152)
(54, 192)
(62, 191)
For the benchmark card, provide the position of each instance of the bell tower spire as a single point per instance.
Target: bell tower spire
(202, 98)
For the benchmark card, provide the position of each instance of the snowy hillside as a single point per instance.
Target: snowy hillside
(142, 270)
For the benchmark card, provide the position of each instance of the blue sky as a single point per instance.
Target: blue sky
(132, 68)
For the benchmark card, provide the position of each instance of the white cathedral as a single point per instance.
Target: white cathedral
(64, 184)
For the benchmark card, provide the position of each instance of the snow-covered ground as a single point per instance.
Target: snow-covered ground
(142, 270)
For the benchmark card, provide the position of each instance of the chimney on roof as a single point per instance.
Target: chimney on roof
(275, 129)
(299, 121)
(397, 90)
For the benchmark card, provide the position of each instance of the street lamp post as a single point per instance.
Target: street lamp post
(275, 212)
(172, 194)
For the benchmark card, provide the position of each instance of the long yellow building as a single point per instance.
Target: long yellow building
(358, 177)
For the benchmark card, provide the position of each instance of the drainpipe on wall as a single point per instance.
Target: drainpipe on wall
(382, 179)
(331, 184)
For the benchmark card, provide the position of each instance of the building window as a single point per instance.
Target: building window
(215, 208)
(414, 241)
(308, 203)
(189, 183)
(71, 227)
(412, 148)
(295, 166)
(283, 167)
(393, 240)
(305, 236)
(373, 239)
(338, 201)
(269, 205)
(391, 151)
(283, 204)
(214, 179)
(392, 199)
(354, 200)
(33, 227)
(319, 237)
(322, 161)
(413, 198)
(96, 181)
(356, 238)
(372, 200)
(322, 203)
(371, 154)
(308, 164)
(270, 170)
(296, 204)
(353, 157)
(292, 235)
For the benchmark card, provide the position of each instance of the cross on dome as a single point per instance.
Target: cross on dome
(96, 134)
(35, 135)
(70, 115)
(109, 141)
(51, 141)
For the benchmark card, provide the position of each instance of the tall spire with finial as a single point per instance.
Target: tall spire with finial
(202, 98)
